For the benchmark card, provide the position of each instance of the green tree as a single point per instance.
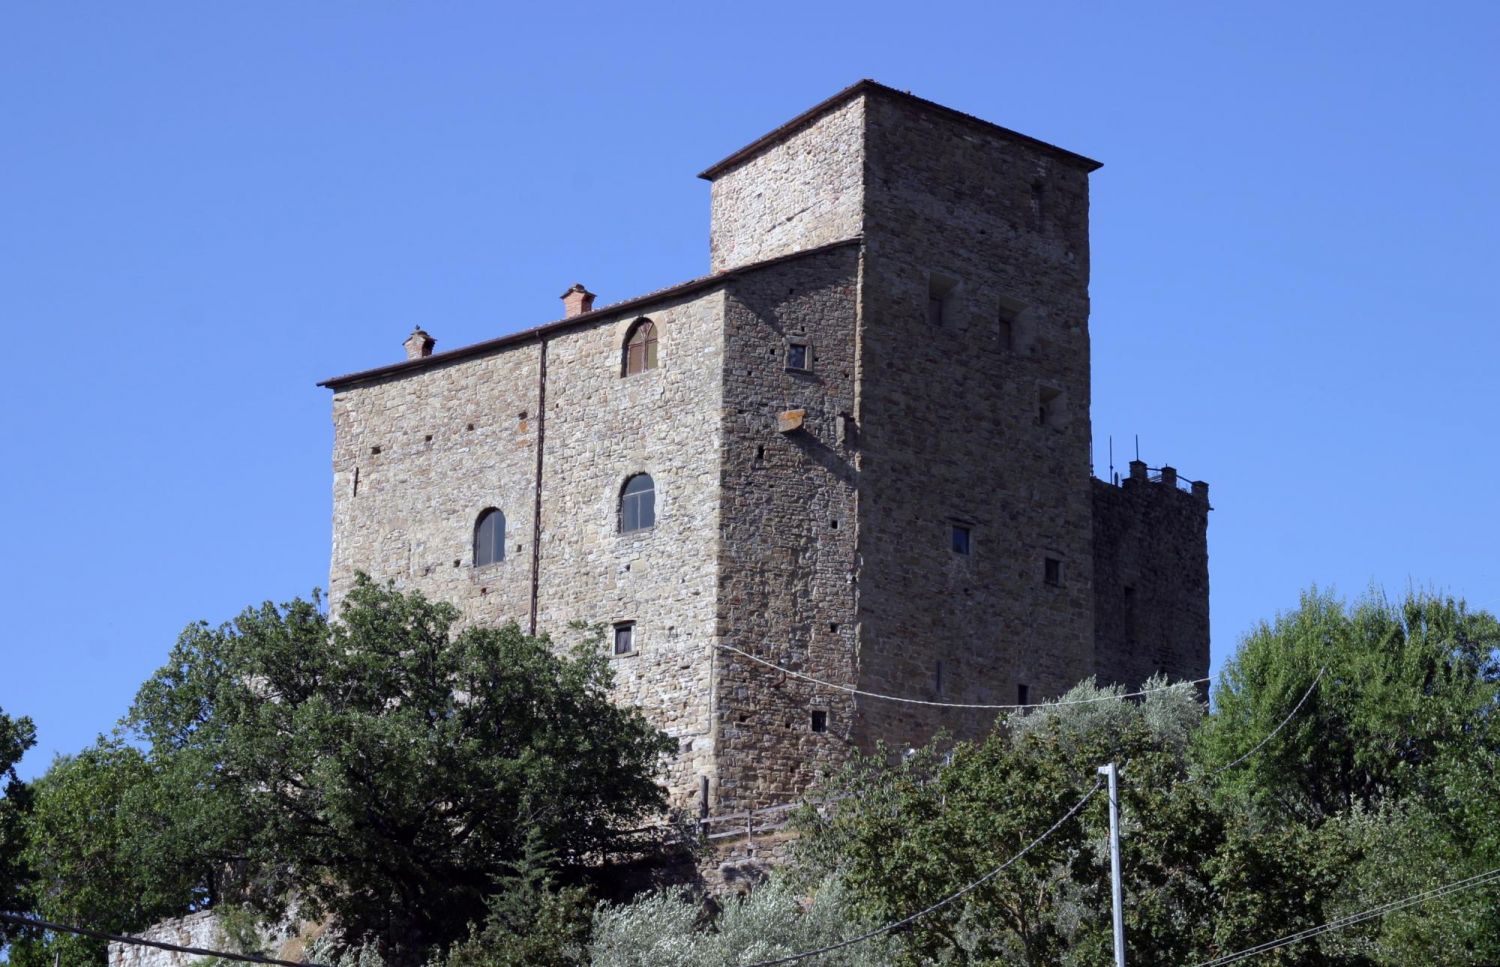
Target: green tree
(16, 736)
(778, 918)
(1381, 786)
(531, 920)
(388, 767)
(912, 832)
(89, 844)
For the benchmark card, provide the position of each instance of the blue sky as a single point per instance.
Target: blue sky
(206, 208)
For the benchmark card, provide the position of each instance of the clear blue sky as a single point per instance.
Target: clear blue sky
(206, 208)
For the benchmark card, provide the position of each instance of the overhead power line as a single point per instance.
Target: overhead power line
(143, 942)
(918, 701)
(1457, 886)
(897, 925)
(1269, 735)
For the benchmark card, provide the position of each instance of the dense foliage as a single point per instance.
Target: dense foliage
(437, 789)
(386, 768)
(16, 736)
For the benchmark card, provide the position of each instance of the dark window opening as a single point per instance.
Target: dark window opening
(1048, 406)
(624, 639)
(1007, 328)
(960, 539)
(1023, 695)
(638, 504)
(1038, 203)
(819, 720)
(798, 356)
(1130, 614)
(1052, 572)
(640, 348)
(940, 290)
(937, 677)
(489, 538)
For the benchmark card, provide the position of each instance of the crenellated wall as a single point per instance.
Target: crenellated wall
(1150, 577)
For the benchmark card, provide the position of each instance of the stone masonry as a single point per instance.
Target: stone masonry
(868, 433)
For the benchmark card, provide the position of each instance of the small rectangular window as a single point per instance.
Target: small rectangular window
(1130, 614)
(819, 720)
(960, 539)
(1007, 328)
(798, 356)
(1023, 695)
(624, 638)
(940, 289)
(937, 677)
(1052, 572)
(1049, 406)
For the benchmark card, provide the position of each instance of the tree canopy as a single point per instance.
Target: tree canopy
(429, 784)
(388, 766)
(16, 736)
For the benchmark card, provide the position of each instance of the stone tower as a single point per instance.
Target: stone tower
(864, 439)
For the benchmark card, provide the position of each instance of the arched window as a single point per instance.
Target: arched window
(489, 538)
(638, 504)
(640, 348)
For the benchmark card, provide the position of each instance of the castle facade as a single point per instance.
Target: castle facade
(858, 450)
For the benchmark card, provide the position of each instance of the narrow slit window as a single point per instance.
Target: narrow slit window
(940, 289)
(489, 538)
(1006, 328)
(1049, 406)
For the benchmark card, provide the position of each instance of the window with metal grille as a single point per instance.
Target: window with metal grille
(640, 348)
(625, 638)
(638, 504)
(489, 538)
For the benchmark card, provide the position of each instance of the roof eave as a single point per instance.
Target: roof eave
(869, 86)
(489, 346)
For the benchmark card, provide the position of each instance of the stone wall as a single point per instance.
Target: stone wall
(419, 455)
(205, 931)
(787, 550)
(949, 428)
(1150, 578)
(804, 191)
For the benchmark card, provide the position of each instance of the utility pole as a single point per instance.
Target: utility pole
(1117, 889)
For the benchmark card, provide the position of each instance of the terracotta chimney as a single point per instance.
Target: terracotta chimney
(419, 344)
(577, 300)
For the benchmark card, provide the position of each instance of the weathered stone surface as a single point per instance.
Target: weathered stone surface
(288, 940)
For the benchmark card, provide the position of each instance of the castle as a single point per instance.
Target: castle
(858, 449)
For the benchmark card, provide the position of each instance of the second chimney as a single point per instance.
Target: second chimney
(577, 300)
(418, 344)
